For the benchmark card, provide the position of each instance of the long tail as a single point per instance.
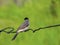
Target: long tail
(15, 36)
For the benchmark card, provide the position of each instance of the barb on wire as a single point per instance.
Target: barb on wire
(4, 30)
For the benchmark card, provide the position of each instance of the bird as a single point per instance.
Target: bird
(22, 28)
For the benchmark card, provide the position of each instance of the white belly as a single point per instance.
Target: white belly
(21, 30)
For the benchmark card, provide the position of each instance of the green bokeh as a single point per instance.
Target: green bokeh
(39, 14)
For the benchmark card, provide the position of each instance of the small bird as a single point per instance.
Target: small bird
(22, 28)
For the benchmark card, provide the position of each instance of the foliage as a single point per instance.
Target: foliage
(39, 14)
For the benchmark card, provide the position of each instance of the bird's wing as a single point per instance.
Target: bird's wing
(24, 25)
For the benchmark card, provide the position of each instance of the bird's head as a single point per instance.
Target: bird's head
(26, 18)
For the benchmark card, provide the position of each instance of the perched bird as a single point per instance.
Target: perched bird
(22, 28)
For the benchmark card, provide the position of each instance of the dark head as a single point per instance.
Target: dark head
(26, 18)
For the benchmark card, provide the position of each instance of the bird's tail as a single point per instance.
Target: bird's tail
(15, 36)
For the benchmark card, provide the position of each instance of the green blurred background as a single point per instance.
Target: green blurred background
(38, 11)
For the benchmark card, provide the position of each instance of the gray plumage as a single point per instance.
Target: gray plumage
(24, 25)
(22, 28)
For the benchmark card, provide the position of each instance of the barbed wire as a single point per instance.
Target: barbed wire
(11, 29)
(56, 25)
